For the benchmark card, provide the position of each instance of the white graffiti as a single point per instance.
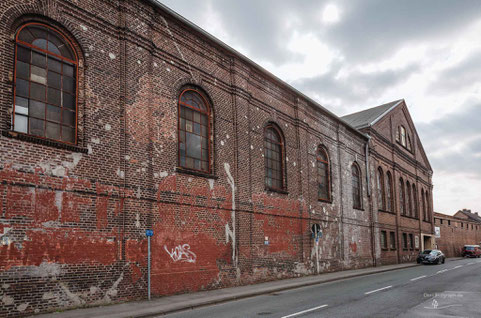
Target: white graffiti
(181, 253)
(230, 233)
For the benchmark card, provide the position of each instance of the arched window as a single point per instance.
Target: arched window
(428, 206)
(323, 176)
(423, 202)
(389, 192)
(403, 135)
(415, 202)
(194, 131)
(402, 207)
(409, 211)
(274, 158)
(45, 99)
(356, 186)
(381, 192)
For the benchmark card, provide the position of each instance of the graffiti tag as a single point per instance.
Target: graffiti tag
(181, 253)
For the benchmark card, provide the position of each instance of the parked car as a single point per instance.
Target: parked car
(471, 251)
(431, 257)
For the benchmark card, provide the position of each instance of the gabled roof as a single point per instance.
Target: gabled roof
(472, 216)
(368, 117)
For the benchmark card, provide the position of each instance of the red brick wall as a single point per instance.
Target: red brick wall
(453, 236)
(72, 221)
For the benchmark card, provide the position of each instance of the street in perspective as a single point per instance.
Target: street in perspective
(451, 289)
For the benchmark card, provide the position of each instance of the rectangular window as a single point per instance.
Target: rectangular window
(392, 240)
(449, 222)
(405, 241)
(441, 221)
(411, 241)
(383, 240)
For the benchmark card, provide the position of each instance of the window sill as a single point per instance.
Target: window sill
(324, 201)
(410, 217)
(358, 208)
(393, 249)
(384, 249)
(195, 173)
(281, 191)
(386, 211)
(41, 141)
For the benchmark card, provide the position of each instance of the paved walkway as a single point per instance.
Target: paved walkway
(163, 305)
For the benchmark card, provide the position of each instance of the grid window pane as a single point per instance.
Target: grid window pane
(41, 77)
(273, 159)
(23, 70)
(21, 123)
(193, 132)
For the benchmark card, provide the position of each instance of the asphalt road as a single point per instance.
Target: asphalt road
(452, 289)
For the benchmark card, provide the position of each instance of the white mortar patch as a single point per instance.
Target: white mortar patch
(112, 56)
(108, 127)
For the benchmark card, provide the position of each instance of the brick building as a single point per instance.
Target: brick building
(462, 228)
(119, 116)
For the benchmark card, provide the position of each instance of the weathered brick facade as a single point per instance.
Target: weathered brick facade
(456, 231)
(73, 218)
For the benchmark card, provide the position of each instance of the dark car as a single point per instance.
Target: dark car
(471, 251)
(431, 257)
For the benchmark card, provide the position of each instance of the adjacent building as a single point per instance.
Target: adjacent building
(119, 116)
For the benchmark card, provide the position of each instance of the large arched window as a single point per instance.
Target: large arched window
(402, 207)
(356, 186)
(274, 158)
(389, 192)
(194, 131)
(323, 176)
(409, 203)
(45, 99)
(415, 202)
(381, 192)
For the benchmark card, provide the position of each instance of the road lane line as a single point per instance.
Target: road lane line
(413, 279)
(376, 290)
(470, 264)
(458, 266)
(442, 271)
(304, 311)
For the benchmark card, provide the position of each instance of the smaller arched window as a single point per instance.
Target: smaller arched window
(402, 131)
(356, 186)
(415, 202)
(323, 175)
(194, 131)
(402, 207)
(274, 158)
(389, 192)
(381, 192)
(409, 211)
(423, 202)
(45, 98)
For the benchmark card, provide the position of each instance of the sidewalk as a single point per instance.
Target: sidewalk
(169, 304)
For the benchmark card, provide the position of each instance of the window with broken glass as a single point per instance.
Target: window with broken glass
(45, 99)
(194, 131)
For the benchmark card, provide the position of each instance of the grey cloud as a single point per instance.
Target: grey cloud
(455, 127)
(357, 87)
(465, 74)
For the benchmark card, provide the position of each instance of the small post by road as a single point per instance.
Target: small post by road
(317, 234)
(148, 233)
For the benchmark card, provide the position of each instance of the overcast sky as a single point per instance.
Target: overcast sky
(354, 54)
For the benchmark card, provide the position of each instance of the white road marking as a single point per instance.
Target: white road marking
(458, 266)
(442, 271)
(413, 279)
(304, 311)
(470, 264)
(376, 290)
